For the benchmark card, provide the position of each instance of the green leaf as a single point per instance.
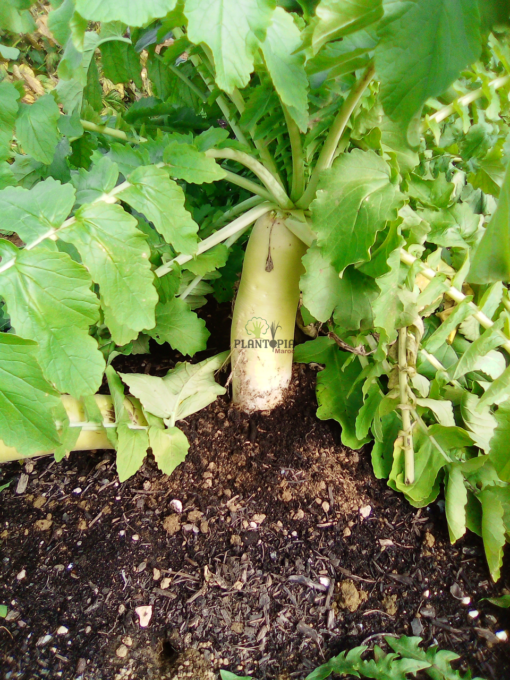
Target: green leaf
(493, 531)
(128, 159)
(337, 19)
(3, 611)
(9, 53)
(130, 12)
(91, 185)
(37, 128)
(209, 261)
(180, 327)
(424, 45)
(382, 451)
(503, 601)
(317, 350)
(161, 200)
(491, 261)
(499, 449)
(169, 447)
(26, 398)
(338, 395)
(498, 390)
(120, 62)
(354, 201)
(455, 503)
(460, 312)
(367, 412)
(285, 64)
(4, 486)
(227, 675)
(117, 256)
(32, 213)
(190, 164)
(442, 409)
(132, 448)
(232, 30)
(479, 421)
(489, 340)
(49, 300)
(439, 661)
(9, 96)
(184, 390)
(58, 21)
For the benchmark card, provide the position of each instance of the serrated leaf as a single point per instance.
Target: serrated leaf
(58, 21)
(184, 390)
(132, 448)
(161, 200)
(120, 62)
(473, 356)
(128, 159)
(180, 327)
(169, 447)
(479, 421)
(232, 30)
(424, 44)
(499, 443)
(317, 350)
(32, 213)
(37, 128)
(49, 300)
(285, 64)
(459, 313)
(367, 412)
(442, 409)
(190, 164)
(491, 261)
(9, 96)
(130, 12)
(493, 531)
(117, 256)
(455, 503)
(26, 398)
(354, 201)
(337, 19)
(382, 451)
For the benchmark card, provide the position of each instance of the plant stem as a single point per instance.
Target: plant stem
(452, 293)
(175, 69)
(239, 208)
(258, 169)
(112, 132)
(92, 435)
(465, 100)
(234, 227)
(328, 151)
(298, 162)
(407, 432)
(245, 183)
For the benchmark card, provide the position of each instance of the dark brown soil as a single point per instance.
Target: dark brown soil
(287, 550)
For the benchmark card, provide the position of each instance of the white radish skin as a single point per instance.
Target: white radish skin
(261, 372)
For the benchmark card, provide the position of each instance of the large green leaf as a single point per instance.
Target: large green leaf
(169, 447)
(161, 200)
(9, 96)
(180, 327)
(49, 300)
(32, 213)
(479, 420)
(120, 62)
(499, 444)
(493, 530)
(185, 389)
(232, 30)
(491, 261)
(37, 130)
(132, 448)
(455, 503)
(337, 19)
(488, 341)
(26, 398)
(285, 64)
(338, 395)
(117, 256)
(424, 45)
(355, 199)
(190, 164)
(131, 12)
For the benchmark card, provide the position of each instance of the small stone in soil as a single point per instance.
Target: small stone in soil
(365, 511)
(156, 574)
(172, 524)
(62, 630)
(121, 651)
(350, 598)
(165, 583)
(144, 614)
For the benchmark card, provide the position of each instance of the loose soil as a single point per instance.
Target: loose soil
(271, 548)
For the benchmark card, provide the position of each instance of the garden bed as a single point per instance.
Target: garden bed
(287, 550)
